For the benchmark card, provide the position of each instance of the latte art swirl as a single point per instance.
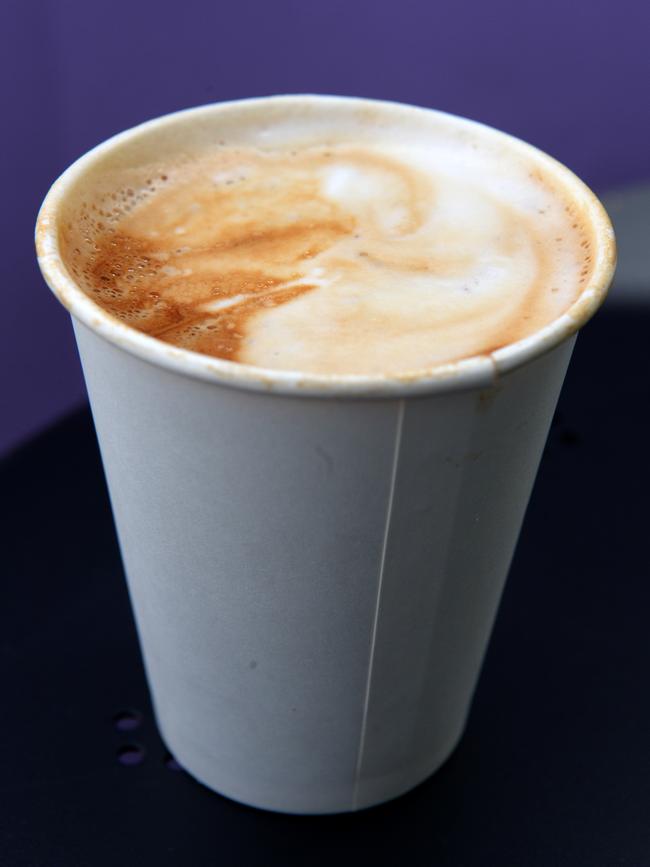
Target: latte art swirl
(334, 257)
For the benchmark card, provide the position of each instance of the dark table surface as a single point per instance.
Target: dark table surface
(554, 768)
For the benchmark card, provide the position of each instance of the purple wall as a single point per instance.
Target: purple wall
(571, 76)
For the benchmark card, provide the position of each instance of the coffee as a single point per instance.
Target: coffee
(335, 249)
(315, 574)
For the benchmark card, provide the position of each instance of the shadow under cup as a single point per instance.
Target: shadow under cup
(314, 562)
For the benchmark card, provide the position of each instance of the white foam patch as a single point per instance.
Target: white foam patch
(224, 303)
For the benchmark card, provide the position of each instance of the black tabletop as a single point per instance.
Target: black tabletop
(554, 768)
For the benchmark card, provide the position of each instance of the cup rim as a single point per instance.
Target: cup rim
(477, 371)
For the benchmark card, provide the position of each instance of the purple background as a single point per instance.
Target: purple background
(570, 76)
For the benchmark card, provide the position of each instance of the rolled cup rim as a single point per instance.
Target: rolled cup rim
(478, 371)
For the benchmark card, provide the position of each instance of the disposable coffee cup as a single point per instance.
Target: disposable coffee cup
(314, 562)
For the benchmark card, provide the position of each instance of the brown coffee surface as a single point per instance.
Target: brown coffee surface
(333, 257)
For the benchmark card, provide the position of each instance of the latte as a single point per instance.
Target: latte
(335, 248)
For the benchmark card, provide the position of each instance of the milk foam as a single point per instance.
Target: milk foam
(329, 254)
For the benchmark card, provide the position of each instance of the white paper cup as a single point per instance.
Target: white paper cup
(315, 563)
